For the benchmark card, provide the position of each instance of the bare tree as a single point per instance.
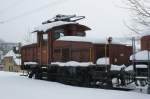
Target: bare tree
(141, 14)
(27, 38)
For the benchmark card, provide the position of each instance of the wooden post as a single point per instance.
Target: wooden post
(133, 57)
(90, 54)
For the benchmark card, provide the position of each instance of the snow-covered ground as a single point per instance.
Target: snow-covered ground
(14, 86)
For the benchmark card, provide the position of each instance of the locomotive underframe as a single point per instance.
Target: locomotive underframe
(98, 76)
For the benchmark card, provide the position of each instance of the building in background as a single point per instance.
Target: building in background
(5, 47)
(1, 56)
(11, 62)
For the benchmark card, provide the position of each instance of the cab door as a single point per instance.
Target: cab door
(43, 49)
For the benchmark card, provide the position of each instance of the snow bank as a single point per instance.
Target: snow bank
(73, 63)
(102, 61)
(141, 55)
(14, 86)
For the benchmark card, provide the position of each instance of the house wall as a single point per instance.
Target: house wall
(9, 65)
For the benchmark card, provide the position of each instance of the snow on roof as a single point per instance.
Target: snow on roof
(102, 61)
(141, 55)
(14, 56)
(117, 67)
(10, 54)
(86, 39)
(45, 27)
(73, 63)
(73, 38)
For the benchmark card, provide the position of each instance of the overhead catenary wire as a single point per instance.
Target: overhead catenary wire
(51, 4)
(11, 6)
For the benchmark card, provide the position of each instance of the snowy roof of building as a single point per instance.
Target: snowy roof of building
(48, 26)
(14, 56)
(87, 39)
(141, 55)
(102, 61)
(10, 54)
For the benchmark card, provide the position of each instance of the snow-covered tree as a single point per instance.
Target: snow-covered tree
(140, 10)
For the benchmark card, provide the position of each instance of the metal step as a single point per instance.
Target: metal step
(44, 75)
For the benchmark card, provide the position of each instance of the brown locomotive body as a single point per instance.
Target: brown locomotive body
(54, 46)
(64, 51)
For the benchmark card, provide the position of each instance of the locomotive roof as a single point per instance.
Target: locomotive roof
(46, 27)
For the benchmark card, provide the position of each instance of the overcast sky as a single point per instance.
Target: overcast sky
(21, 16)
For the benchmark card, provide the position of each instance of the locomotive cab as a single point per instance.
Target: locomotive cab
(48, 33)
